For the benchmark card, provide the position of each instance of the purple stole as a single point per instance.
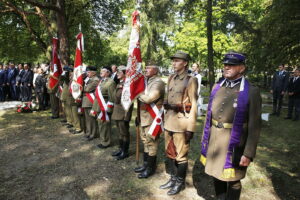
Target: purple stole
(236, 131)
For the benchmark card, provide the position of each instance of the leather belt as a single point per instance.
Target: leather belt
(144, 107)
(224, 125)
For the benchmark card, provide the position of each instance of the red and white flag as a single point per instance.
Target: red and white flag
(55, 68)
(77, 83)
(135, 82)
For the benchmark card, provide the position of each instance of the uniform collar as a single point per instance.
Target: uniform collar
(232, 83)
(151, 78)
(182, 75)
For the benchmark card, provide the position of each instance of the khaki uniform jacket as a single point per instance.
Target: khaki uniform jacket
(107, 87)
(89, 87)
(64, 92)
(177, 94)
(154, 93)
(223, 109)
(118, 112)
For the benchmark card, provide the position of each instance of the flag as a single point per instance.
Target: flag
(134, 82)
(77, 81)
(55, 68)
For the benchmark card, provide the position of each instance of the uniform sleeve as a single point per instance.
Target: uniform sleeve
(91, 86)
(193, 96)
(157, 90)
(111, 91)
(254, 123)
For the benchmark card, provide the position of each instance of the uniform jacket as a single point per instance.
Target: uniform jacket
(177, 94)
(89, 86)
(294, 86)
(223, 109)
(154, 93)
(11, 76)
(27, 77)
(118, 112)
(280, 82)
(107, 87)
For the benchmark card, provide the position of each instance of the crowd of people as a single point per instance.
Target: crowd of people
(231, 128)
(21, 83)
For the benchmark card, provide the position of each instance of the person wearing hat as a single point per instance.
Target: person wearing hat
(150, 100)
(231, 129)
(179, 121)
(103, 106)
(90, 85)
(64, 83)
(121, 117)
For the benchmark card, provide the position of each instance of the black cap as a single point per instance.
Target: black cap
(91, 68)
(181, 55)
(234, 58)
(107, 68)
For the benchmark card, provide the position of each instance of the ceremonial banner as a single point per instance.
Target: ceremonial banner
(55, 68)
(134, 83)
(77, 83)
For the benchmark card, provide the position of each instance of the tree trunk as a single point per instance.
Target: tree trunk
(62, 32)
(210, 61)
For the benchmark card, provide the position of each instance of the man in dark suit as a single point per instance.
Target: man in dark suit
(294, 96)
(114, 74)
(2, 83)
(18, 82)
(11, 80)
(279, 87)
(26, 83)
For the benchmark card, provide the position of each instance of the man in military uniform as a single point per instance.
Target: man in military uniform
(180, 121)
(153, 96)
(103, 106)
(90, 85)
(54, 100)
(232, 128)
(65, 78)
(278, 88)
(121, 117)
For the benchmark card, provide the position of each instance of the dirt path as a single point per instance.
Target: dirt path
(40, 159)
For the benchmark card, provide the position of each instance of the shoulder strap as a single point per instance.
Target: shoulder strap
(186, 82)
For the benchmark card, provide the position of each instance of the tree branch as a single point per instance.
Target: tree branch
(43, 5)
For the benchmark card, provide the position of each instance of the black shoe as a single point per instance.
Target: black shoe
(76, 131)
(117, 153)
(70, 126)
(124, 154)
(143, 167)
(90, 138)
(287, 118)
(102, 146)
(150, 169)
(71, 130)
(54, 117)
(171, 182)
(63, 121)
(179, 186)
(180, 179)
(86, 136)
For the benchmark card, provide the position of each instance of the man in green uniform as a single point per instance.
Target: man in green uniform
(103, 106)
(90, 84)
(121, 117)
(151, 100)
(65, 77)
(180, 121)
(232, 128)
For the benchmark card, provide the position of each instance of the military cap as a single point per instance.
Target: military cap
(234, 58)
(182, 55)
(107, 68)
(91, 68)
(121, 68)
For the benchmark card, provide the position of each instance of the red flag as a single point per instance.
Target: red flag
(55, 68)
(134, 83)
(77, 83)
